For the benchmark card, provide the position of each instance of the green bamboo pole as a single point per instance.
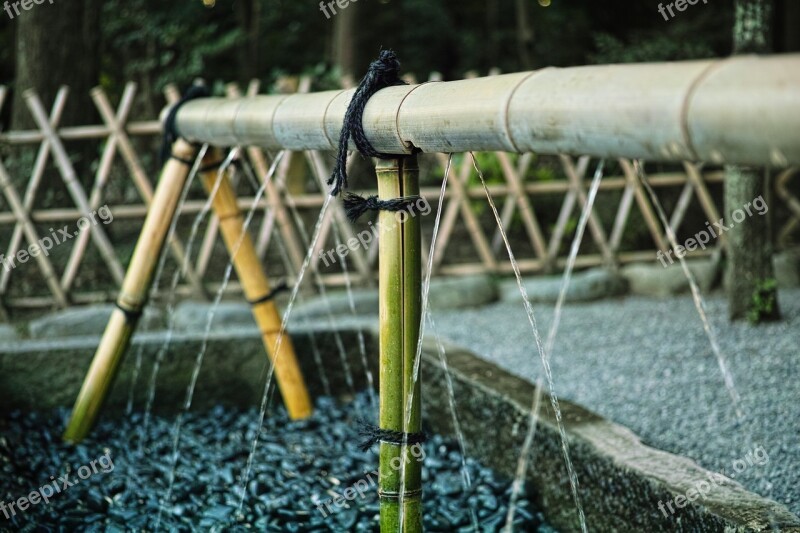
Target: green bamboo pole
(132, 295)
(412, 313)
(390, 283)
(399, 276)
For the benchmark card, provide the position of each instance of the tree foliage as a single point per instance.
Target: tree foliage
(155, 42)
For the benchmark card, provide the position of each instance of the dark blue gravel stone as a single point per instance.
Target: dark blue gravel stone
(298, 468)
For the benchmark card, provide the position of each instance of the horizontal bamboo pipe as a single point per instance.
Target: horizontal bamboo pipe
(255, 287)
(742, 110)
(132, 295)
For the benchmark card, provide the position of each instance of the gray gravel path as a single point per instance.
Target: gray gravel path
(647, 364)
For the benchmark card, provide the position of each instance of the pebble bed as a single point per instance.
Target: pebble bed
(298, 467)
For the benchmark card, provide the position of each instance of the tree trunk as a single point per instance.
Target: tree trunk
(344, 54)
(57, 44)
(752, 293)
(492, 32)
(789, 15)
(248, 14)
(524, 35)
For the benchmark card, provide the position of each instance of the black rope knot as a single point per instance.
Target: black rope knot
(277, 289)
(383, 72)
(355, 205)
(373, 434)
(170, 128)
(131, 315)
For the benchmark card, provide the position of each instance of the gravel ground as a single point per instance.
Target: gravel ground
(299, 466)
(647, 364)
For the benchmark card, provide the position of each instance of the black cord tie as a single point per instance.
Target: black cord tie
(355, 205)
(279, 288)
(131, 315)
(170, 129)
(373, 435)
(187, 162)
(212, 166)
(383, 72)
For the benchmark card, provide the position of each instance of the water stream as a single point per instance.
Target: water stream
(573, 477)
(427, 318)
(699, 303)
(162, 261)
(286, 316)
(172, 293)
(207, 331)
(522, 462)
(290, 274)
(362, 345)
(323, 294)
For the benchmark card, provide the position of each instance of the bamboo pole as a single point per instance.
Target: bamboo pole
(399, 289)
(737, 110)
(256, 288)
(412, 313)
(132, 296)
(120, 132)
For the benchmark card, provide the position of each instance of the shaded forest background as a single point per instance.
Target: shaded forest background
(86, 43)
(83, 43)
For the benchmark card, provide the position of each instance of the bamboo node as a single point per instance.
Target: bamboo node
(131, 315)
(398, 496)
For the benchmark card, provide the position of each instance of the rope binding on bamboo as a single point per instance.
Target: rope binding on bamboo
(355, 205)
(383, 72)
(279, 288)
(171, 133)
(373, 435)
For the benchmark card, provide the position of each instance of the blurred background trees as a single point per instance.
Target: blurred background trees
(85, 42)
(82, 42)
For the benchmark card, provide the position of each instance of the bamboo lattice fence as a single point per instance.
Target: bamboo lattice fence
(541, 198)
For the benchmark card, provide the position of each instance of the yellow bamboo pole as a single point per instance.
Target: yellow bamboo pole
(256, 288)
(132, 296)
